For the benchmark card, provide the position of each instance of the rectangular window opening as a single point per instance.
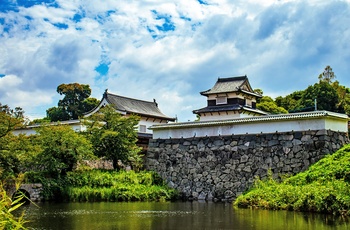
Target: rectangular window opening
(142, 128)
(221, 100)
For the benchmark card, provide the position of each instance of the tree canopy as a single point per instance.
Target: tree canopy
(61, 149)
(10, 154)
(267, 104)
(76, 101)
(113, 136)
(327, 93)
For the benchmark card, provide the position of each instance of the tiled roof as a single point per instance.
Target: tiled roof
(135, 106)
(231, 84)
(279, 117)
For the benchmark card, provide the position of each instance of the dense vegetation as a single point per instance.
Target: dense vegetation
(56, 149)
(329, 95)
(104, 185)
(324, 187)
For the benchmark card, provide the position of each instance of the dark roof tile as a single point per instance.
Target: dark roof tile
(136, 106)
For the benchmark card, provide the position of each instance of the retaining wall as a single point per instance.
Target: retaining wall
(223, 167)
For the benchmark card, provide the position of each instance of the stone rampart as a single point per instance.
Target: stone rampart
(223, 167)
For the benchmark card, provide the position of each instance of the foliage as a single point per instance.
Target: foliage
(7, 207)
(75, 102)
(113, 136)
(102, 185)
(329, 95)
(19, 154)
(43, 120)
(327, 75)
(11, 153)
(291, 102)
(62, 148)
(325, 95)
(57, 114)
(267, 104)
(324, 187)
(10, 119)
(343, 95)
(99, 185)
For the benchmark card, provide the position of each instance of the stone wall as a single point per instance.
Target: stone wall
(34, 190)
(223, 167)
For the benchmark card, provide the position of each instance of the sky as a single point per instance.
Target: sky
(167, 50)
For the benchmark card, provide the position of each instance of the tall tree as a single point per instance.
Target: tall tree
(327, 75)
(75, 102)
(113, 136)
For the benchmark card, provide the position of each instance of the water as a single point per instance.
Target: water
(172, 215)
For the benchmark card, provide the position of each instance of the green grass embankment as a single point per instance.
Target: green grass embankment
(97, 185)
(324, 187)
(116, 186)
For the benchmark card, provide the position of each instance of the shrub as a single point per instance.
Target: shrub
(324, 187)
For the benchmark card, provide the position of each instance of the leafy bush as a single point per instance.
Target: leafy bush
(100, 185)
(324, 187)
(97, 185)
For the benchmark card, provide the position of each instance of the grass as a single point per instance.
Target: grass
(108, 185)
(324, 187)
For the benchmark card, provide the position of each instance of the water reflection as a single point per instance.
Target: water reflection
(172, 215)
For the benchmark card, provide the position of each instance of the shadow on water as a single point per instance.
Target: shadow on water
(172, 215)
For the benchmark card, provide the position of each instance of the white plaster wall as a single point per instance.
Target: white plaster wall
(253, 128)
(24, 131)
(32, 130)
(224, 116)
(148, 123)
(336, 125)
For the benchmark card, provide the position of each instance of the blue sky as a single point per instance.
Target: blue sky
(167, 50)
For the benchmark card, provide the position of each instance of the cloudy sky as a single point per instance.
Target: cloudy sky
(167, 50)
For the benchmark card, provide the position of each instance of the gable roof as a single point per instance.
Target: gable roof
(231, 84)
(135, 106)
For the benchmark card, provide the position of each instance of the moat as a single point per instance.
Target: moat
(172, 215)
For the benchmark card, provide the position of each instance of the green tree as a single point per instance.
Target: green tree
(326, 97)
(267, 104)
(62, 148)
(343, 96)
(260, 92)
(327, 75)
(10, 119)
(57, 114)
(113, 136)
(290, 102)
(9, 144)
(75, 102)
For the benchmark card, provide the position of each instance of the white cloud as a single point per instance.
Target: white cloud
(8, 81)
(281, 45)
